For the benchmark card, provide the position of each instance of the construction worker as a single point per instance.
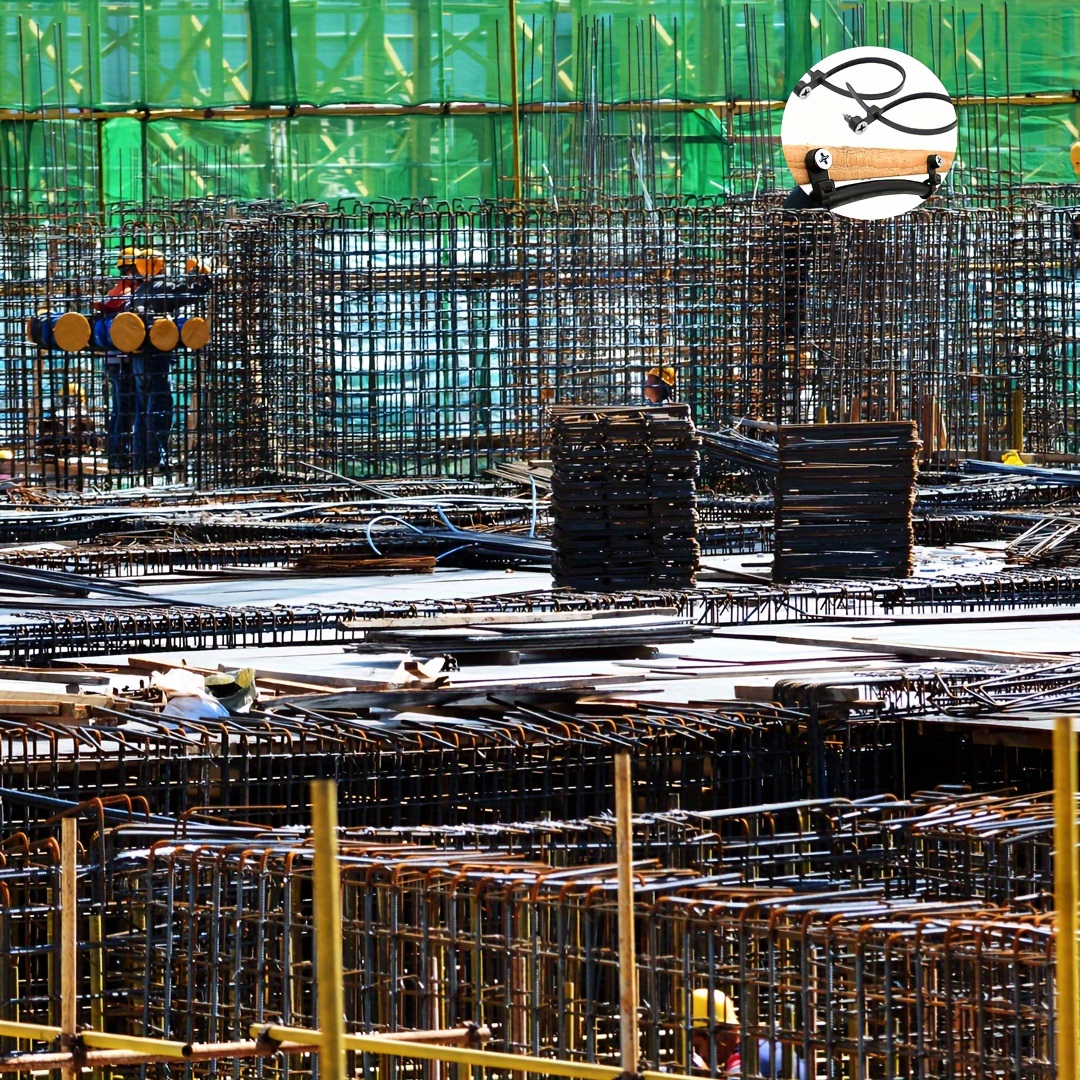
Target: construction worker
(141, 404)
(714, 1033)
(659, 383)
(119, 370)
(723, 1051)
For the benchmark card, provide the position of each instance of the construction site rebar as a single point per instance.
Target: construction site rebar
(899, 942)
(427, 340)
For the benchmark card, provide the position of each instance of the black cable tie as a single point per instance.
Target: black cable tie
(815, 78)
(859, 124)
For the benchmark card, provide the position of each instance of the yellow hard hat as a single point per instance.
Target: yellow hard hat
(664, 374)
(723, 1009)
(147, 261)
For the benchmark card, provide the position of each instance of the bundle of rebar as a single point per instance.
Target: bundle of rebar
(622, 498)
(844, 494)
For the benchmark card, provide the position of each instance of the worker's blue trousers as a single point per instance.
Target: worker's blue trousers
(153, 411)
(121, 411)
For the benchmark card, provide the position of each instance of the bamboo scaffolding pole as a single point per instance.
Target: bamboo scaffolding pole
(275, 1039)
(260, 1047)
(104, 1040)
(69, 943)
(121, 1058)
(1065, 890)
(526, 1063)
(628, 991)
(471, 108)
(329, 966)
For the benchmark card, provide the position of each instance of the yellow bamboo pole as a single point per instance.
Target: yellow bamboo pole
(69, 941)
(100, 1039)
(466, 108)
(1065, 893)
(107, 1040)
(97, 981)
(624, 844)
(103, 1059)
(18, 1030)
(381, 1044)
(1016, 419)
(330, 975)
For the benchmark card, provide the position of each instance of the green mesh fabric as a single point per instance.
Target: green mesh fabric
(171, 54)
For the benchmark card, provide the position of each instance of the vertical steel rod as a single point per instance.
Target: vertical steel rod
(515, 101)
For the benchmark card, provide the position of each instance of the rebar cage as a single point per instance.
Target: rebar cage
(415, 339)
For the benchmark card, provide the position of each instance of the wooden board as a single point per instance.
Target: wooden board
(865, 162)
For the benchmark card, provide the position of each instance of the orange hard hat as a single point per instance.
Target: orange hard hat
(146, 262)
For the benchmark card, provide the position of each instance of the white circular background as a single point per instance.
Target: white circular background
(819, 120)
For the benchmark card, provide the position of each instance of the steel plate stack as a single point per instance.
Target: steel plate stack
(844, 497)
(623, 492)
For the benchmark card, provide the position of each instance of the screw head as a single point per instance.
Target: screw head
(804, 91)
(860, 127)
(823, 159)
(938, 160)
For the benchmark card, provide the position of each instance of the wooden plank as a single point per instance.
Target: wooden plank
(50, 696)
(147, 663)
(865, 162)
(307, 679)
(499, 618)
(85, 678)
(921, 651)
(408, 698)
(267, 678)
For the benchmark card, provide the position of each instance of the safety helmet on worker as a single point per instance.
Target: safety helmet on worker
(723, 1009)
(665, 374)
(146, 262)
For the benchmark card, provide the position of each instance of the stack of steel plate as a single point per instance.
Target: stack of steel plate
(623, 492)
(844, 497)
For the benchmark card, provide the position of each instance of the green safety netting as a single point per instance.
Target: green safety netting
(163, 54)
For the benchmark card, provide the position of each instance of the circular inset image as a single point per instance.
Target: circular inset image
(869, 133)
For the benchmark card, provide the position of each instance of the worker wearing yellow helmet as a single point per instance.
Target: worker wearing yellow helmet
(714, 1033)
(659, 384)
(139, 359)
(714, 1014)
